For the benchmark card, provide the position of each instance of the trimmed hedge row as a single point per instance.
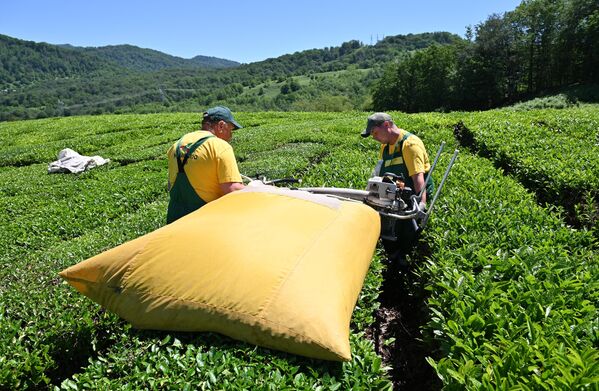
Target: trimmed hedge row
(555, 153)
(514, 292)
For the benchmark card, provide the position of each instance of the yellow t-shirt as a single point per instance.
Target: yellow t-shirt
(211, 164)
(414, 154)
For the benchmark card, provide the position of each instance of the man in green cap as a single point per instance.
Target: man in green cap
(202, 165)
(403, 154)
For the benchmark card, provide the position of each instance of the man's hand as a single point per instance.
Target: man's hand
(229, 187)
(255, 183)
(422, 206)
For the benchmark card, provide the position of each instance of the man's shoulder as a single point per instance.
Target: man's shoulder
(410, 138)
(217, 147)
(196, 135)
(219, 143)
(211, 139)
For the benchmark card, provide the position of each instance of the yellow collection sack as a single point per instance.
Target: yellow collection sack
(274, 267)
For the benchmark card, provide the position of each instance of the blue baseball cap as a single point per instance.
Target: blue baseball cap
(222, 113)
(374, 120)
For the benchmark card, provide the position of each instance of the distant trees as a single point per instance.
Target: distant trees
(424, 82)
(291, 85)
(541, 45)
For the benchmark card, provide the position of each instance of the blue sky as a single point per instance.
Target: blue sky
(243, 31)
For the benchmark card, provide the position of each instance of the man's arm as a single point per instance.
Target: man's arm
(418, 180)
(227, 171)
(229, 187)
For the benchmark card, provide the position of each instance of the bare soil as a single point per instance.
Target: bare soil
(396, 332)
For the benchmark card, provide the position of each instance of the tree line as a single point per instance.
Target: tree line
(537, 48)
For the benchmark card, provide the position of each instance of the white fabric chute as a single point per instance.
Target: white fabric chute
(70, 161)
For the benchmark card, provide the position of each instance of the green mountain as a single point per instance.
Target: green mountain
(124, 78)
(25, 62)
(351, 53)
(213, 62)
(135, 58)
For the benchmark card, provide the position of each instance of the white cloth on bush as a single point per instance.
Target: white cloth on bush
(70, 161)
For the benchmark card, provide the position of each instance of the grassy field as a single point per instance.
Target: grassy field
(508, 291)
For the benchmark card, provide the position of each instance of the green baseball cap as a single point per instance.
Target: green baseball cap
(222, 113)
(375, 120)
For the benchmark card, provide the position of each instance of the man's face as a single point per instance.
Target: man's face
(380, 133)
(225, 130)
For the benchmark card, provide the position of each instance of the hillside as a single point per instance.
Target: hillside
(137, 85)
(25, 63)
(145, 60)
(352, 53)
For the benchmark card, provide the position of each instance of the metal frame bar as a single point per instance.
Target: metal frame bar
(430, 209)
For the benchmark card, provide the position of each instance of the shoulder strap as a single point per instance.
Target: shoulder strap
(387, 155)
(405, 136)
(189, 152)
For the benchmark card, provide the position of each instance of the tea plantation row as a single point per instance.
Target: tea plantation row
(553, 153)
(513, 291)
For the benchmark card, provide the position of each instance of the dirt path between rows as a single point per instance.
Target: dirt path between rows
(396, 332)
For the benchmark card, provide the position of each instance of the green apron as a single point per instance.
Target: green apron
(401, 169)
(183, 197)
(406, 231)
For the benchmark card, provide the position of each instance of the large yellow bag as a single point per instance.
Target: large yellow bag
(274, 267)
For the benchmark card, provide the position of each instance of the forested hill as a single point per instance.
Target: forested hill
(332, 78)
(25, 62)
(351, 53)
(133, 57)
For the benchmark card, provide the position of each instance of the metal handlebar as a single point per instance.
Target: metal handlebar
(430, 209)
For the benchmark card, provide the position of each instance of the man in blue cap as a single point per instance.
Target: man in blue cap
(202, 165)
(403, 154)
